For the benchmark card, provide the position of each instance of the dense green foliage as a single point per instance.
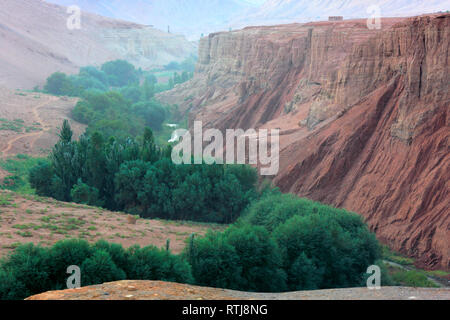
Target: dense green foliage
(113, 114)
(286, 243)
(33, 269)
(139, 177)
(121, 76)
(59, 84)
(244, 258)
(120, 73)
(118, 99)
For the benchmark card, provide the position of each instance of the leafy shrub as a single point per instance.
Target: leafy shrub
(93, 72)
(157, 264)
(259, 259)
(118, 254)
(59, 84)
(100, 268)
(336, 255)
(215, 262)
(286, 243)
(120, 73)
(10, 287)
(32, 269)
(241, 258)
(275, 209)
(152, 112)
(84, 194)
(30, 266)
(66, 253)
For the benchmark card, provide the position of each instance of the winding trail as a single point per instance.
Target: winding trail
(38, 119)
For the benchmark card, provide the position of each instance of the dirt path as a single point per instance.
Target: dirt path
(38, 119)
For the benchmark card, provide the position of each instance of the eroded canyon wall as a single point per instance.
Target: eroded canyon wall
(363, 117)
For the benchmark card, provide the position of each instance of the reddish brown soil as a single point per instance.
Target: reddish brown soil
(157, 290)
(44, 221)
(41, 115)
(363, 115)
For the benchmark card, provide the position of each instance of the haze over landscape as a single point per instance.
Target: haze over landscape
(115, 152)
(195, 17)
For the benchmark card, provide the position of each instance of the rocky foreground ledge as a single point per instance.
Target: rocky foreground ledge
(158, 290)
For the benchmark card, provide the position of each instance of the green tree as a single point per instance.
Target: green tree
(66, 133)
(63, 254)
(259, 259)
(128, 182)
(335, 255)
(120, 73)
(100, 268)
(84, 194)
(39, 177)
(157, 264)
(214, 262)
(58, 84)
(30, 265)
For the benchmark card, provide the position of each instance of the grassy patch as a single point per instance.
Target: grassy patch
(17, 125)
(5, 200)
(18, 167)
(438, 273)
(412, 278)
(396, 257)
(12, 245)
(25, 234)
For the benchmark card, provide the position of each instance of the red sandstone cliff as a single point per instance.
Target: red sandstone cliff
(363, 116)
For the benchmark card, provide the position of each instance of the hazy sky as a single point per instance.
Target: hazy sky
(196, 17)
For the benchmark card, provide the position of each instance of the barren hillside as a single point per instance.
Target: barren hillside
(29, 122)
(45, 221)
(363, 116)
(36, 42)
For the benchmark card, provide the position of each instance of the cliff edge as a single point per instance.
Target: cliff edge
(363, 116)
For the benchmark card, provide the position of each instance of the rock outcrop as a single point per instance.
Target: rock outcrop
(363, 116)
(158, 290)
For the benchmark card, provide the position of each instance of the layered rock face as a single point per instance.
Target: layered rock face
(363, 117)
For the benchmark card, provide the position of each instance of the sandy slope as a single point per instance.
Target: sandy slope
(45, 221)
(35, 42)
(39, 117)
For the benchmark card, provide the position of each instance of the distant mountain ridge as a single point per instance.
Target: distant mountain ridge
(287, 11)
(189, 17)
(196, 17)
(36, 42)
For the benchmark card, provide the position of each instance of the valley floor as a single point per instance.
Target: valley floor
(27, 218)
